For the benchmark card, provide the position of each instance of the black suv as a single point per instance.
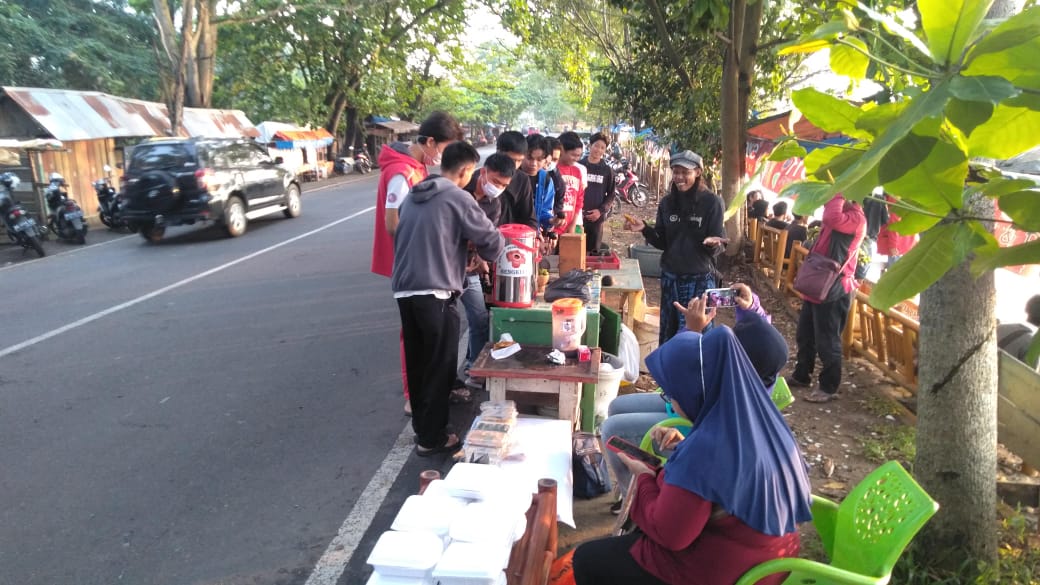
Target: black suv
(172, 181)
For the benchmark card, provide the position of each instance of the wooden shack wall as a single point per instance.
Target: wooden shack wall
(81, 163)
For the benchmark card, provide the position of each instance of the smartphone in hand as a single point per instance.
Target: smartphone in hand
(619, 445)
(721, 297)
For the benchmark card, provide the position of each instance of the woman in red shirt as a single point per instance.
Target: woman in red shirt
(731, 495)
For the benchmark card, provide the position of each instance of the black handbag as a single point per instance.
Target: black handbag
(573, 285)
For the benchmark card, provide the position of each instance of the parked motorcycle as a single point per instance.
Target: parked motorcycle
(627, 186)
(362, 163)
(65, 215)
(21, 228)
(109, 202)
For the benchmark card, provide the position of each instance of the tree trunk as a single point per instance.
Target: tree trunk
(339, 103)
(351, 138)
(176, 107)
(957, 413)
(206, 53)
(737, 77)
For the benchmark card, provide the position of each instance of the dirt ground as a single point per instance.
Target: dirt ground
(843, 440)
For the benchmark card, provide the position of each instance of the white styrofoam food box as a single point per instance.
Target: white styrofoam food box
(406, 554)
(377, 579)
(427, 514)
(466, 563)
(474, 481)
(482, 522)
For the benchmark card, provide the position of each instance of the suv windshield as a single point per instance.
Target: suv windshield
(149, 157)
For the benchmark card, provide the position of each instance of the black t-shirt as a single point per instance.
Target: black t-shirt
(684, 220)
(599, 193)
(795, 233)
(516, 203)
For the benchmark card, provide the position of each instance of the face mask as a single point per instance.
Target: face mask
(550, 166)
(431, 161)
(492, 191)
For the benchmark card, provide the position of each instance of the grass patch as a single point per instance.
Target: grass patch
(891, 441)
(882, 406)
(1018, 560)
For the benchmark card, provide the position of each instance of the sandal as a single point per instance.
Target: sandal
(460, 396)
(819, 396)
(449, 446)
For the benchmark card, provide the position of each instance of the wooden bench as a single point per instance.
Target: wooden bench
(769, 245)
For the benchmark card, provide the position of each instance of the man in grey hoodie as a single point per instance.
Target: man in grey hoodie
(438, 221)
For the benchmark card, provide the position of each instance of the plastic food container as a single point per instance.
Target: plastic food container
(467, 563)
(406, 554)
(485, 523)
(473, 481)
(427, 514)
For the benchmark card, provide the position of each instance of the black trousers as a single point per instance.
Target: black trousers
(819, 333)
(607, 562)
(431, 343)
(593, 234)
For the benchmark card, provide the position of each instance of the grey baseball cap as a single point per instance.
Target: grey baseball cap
(687, 158)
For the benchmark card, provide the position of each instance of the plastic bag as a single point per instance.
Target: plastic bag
(628, 351)
(573, 285)
(591, 477)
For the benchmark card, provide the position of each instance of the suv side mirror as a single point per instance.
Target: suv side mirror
(278, 160)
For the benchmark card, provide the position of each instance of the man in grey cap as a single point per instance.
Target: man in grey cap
(690, 232)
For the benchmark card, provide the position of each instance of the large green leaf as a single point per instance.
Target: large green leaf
(983, 88)
(1033, 351)
(1011, 130)
(787, 149)
(808, 46)
(924, 264)
(827, 163)
(911, 222)
(851, 61)
(950, 24)
(968, 115)
(990, 257)
(1023, 207)
(828, 112)
(898, 29)
(807, 195)
(1001, 186)
(927, 105)
(1017, 30)
(926, 170)
(876, 119)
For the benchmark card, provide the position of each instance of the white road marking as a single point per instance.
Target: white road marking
(101, 314)
(63, 253)
(331, 565)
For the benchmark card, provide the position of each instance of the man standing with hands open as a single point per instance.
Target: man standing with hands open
(689, 229)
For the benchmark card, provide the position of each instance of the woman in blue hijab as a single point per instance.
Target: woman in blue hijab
(731, 495)
(632, 415)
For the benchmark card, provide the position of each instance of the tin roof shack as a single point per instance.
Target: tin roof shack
(304, 151)
(95, 129)
(382, 131)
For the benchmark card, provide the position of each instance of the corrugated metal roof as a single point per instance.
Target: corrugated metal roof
(87, 115)
(398, 126)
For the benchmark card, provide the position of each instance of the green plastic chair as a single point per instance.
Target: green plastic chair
(781, 397)
(863, 536)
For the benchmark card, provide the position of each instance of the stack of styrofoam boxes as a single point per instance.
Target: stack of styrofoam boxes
(490, 437)
(459, 532)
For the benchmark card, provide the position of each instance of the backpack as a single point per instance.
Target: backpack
(591, 477)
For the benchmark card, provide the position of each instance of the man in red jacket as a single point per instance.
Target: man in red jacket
(401, 166)
(820, 324)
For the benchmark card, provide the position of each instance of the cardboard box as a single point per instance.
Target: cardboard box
(572, 252)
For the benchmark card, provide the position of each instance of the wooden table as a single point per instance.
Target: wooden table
(528, 376)
(628, 281)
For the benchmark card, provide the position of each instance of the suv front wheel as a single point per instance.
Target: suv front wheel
(235, 220)
(292, 202)
(153, 233)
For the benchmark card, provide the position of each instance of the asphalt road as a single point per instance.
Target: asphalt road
(205, 410)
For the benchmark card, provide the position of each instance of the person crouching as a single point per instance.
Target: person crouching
(437, 221)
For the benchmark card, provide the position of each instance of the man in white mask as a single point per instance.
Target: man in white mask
(487, 187)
